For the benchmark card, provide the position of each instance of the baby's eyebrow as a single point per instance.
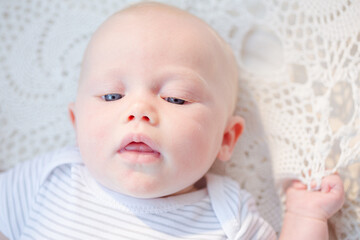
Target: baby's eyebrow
(110, 77)
(106, 80)
(185, 75)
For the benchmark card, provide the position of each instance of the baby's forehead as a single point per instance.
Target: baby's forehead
(161, 17)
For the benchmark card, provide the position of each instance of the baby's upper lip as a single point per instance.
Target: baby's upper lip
(138, 138)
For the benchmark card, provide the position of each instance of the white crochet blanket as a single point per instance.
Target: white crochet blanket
(299, 91)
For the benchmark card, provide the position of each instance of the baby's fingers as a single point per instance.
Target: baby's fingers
(332, 183)
(298, 185)
(333, 187)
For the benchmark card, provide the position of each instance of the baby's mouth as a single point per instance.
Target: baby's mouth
(138, 152)
(138, 147)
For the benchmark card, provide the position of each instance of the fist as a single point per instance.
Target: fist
(321, 204)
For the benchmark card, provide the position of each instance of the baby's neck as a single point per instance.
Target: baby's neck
(200, 184)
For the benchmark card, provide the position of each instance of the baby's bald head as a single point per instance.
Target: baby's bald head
(167, 22)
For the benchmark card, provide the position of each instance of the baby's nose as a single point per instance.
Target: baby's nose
(143, 112)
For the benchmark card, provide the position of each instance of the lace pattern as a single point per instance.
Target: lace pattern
(299, 91)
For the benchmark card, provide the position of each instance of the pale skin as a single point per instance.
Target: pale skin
(154, 110)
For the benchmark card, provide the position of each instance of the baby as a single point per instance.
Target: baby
(154, 110)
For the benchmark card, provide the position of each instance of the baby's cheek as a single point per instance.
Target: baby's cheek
(95, 125)
(92, 134)
(200, 141)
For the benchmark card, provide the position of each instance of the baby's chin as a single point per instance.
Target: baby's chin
(154, 191)
(138, 190)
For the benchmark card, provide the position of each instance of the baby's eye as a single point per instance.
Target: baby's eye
(175, 100)
(112, 97)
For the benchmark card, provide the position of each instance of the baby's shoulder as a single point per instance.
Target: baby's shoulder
(236, 210)
(20, 187)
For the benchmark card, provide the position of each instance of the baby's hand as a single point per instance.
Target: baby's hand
(320, 205)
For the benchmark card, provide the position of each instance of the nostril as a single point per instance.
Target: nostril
(144, 118)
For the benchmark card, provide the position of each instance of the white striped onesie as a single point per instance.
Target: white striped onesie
(54, 197)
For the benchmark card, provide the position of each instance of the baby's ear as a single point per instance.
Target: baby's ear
(233, 130)
(71, 109)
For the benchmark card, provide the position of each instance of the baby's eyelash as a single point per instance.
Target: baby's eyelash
(112, 97)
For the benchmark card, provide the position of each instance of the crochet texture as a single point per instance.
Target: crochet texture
(299, 88)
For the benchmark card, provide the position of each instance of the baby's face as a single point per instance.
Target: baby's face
(150, 114)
